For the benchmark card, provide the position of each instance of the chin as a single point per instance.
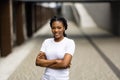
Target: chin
(56, 37)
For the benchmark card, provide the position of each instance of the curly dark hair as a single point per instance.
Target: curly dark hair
(62, 19)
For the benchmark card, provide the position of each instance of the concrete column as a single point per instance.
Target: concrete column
(28, 9)
(20, 21)
(115, 11)
(33, 17)
(5, 26)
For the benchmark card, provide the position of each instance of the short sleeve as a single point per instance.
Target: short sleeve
(70, 48)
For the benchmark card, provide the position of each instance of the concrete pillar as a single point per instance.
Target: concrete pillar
(19, 22)
(28, 9)
(33, 17)
(115, 13)
(5, 26)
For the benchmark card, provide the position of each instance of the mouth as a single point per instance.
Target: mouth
(56, 34)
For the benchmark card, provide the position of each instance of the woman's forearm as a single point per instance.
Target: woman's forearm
(63, 63)
(55, 64)
(59, 65)
(44, 62)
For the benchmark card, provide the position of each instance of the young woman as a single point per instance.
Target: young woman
(56, 53)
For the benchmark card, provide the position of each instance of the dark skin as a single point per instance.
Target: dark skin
(41, 60)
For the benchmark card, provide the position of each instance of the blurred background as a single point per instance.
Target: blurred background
(94, 25)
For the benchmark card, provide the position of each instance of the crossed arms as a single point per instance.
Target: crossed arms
(64, 63)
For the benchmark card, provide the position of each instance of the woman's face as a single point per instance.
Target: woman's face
(58, 30)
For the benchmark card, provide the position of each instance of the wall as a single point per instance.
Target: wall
(42, 15)
(115, 13)
(101, 14)
(67, 11)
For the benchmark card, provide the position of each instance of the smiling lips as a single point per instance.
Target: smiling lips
(56, 34)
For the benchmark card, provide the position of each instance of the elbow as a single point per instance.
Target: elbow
(37, 63)
(65, 65)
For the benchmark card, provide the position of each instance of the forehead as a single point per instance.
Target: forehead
(59, 23)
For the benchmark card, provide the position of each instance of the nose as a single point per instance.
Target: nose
(56, 30)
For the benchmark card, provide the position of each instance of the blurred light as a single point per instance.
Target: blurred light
(52, 5)
(45, 4)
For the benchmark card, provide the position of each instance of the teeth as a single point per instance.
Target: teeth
(56, 34)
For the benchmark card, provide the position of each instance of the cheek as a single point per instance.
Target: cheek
(62, 31)
(52, 30)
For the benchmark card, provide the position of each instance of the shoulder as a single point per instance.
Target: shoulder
(69, 40)
(48, 40)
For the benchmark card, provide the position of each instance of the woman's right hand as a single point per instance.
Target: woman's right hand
(42, 61)
(41, 55)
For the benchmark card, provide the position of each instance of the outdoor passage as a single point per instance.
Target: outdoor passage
(90, 26)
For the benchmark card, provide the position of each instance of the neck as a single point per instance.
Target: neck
(58, 39)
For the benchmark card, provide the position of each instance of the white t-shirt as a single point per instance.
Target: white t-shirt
(57, 50)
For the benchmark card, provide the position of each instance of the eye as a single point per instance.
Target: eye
(59, 27)
(52, 27)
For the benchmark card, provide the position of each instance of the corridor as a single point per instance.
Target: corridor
(88, 62)
(97, 54)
